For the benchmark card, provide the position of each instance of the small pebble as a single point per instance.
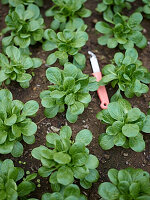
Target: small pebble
(107, 156)
(127, 162)
(55, 129)
(95, 21)
(125, 154)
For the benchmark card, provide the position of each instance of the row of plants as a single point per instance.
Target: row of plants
(124, 184)
(64, 159)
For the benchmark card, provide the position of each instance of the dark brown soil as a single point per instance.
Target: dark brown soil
(115, 158)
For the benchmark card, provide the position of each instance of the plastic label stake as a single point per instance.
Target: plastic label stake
(102, 93)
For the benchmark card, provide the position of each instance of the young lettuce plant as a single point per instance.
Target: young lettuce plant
(70, 192)
(15, 3)
(14, 64)
(145, 9)
(12, 185)
(64, 159)
(15, 123)
(26, 26)
(66, 43)
(111, 7)
(128, 73)
(126, 184)
(125, 32)
(66, 12)
(124, 126)
(70, 87)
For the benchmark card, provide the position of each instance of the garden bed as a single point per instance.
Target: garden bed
(117, 157)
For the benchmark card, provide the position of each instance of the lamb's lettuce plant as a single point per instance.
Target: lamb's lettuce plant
(124, 31)
(14, 64)
(128, 73)
(15, 123)
(145, 9)
(64, 160)
(111, 7)
(66, 43)
(70, 192)
(71, 88)
(25, 26)
(13, 184)
(125, 125)
(15, 3)
(67, 13)
(125, 184)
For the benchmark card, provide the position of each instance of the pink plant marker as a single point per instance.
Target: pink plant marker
(102, 93)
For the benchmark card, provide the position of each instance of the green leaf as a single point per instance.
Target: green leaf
(36, 152)
(118, 58)
(93, 176)
(137, 143)
(49, 46)
(24, 188)
(135, 19)
(146, 127)
(37, 62)
(84, 136)
(106, 141)
(103, 39)
(13, 53)
(17, 150)
(70, 70)
(29, 129)
(134, 189)
(80, 60)
(65, 132)
(116, 111)
(108, 191)
(6, 147)
(62, 158)
(77, 147)
(77, 108)
(133, 114)
(57, 94)
(52, 137)
(44, 171)
(130, 130)
(3, 136)
(103, 27)
(70, 99)
(119, 139)
(101, 7)
(29, 139)
(22, 42)
(11, 120)
(85, 184)
(105, 117)
(53, 74)
(51, 59)
(125, 105)
(24, 77)
(92, 162)
(112, 43)
(84, 97)
(113, 176)
(65, 175)
(48, 102)
(132, 54)
(51, 112)
(79, 159)
(71, 190)
(70, 117)
(30, 108)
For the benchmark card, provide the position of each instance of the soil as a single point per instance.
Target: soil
(115, 158)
